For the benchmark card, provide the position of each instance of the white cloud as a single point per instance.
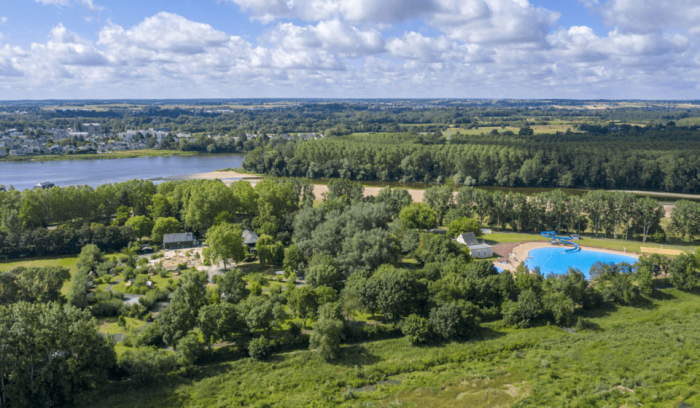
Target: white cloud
(164, 32)
(493, 21)
(68, 48)
(332, 36)
(341, 48)
(645, 16)
(89, 4)
(3, 20)
(351, 10)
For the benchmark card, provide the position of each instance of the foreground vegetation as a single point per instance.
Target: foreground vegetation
(628, 355)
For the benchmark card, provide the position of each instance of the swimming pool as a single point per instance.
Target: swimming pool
(555, 260)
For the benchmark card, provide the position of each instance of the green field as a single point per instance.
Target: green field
(541, 366)
(125, 154)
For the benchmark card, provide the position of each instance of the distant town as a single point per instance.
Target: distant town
(93, 138)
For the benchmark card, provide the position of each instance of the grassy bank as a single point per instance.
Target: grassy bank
(617, 245)
(126, 154)
(541, 366)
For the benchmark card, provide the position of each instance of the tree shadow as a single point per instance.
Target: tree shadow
(661, 295)
(603, 310)
(487, 333)
(357, 355)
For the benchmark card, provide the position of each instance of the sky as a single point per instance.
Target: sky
(156, 49)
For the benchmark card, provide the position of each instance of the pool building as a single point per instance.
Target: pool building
(478, 250)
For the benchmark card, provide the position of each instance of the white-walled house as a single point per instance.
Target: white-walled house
(478, 250)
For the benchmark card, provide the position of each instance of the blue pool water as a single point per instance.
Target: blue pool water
(556, 261)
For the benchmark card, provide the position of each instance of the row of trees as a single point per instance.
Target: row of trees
(614, 213)
(617, 161)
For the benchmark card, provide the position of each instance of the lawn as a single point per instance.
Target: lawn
(157, 279)
(541, 366)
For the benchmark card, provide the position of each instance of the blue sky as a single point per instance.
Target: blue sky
(610, 49)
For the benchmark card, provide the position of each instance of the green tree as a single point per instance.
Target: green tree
(416, 329)
(164, 226)
(225, 243)
(685, 218)
(181, 315)
(160, 207)
(293, 259)
(189, 350)
(462, 225)
(218, 321)
(269, 251)
(328, 331)
(259, 348)
(323, 271)
(527, 308)
(395, 198)
(454, 320)
(304, 302)
(419, 215)
(141, 225)
(232, 286)
(441, 199)
(649, 213)
(345, 190)
(49, 353)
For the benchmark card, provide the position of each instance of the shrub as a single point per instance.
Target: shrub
(151, 335)
(259, 348)
(416, 329)
(453, 320)
(146, 365)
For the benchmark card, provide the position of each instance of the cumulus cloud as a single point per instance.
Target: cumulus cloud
(68, 48)
(354, 48)
(493, 21)
(332, 36)
(645, 16)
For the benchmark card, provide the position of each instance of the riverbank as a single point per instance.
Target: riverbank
(124, 154)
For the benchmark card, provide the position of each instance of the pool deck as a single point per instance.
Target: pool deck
(521, 251)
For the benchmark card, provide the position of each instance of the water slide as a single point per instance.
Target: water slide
(566, 240)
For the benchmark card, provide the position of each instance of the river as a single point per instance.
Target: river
(24, 175)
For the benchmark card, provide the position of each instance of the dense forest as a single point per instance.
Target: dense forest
(661, 159)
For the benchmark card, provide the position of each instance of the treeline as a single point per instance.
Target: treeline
(61, 221)
(601, 212)
(650, 160)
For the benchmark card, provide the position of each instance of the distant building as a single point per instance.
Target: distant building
(178, 241)
(91, 128)
(477, 249)
(44, 185)
(250, 238)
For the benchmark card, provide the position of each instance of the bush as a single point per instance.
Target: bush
(294, 329)
(151, 335)
(521, 313)
(416, 329)
(106, 308)
(259, 348)
(454, 320)
(146, 365)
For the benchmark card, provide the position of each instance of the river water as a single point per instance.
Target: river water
(23, 175)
